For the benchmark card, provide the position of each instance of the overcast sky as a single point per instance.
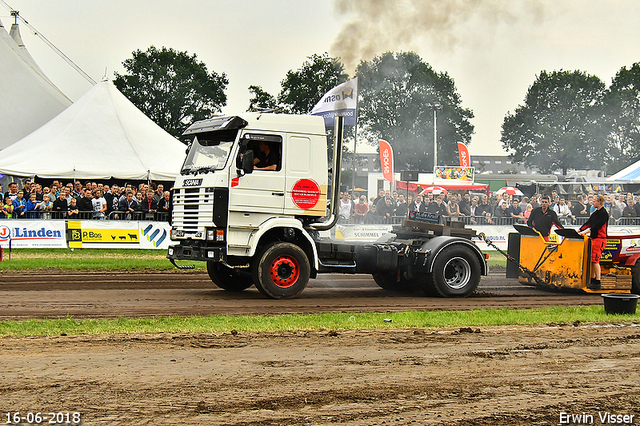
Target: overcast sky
(493, 49)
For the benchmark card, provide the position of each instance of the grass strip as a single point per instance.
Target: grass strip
(311, 322)
(87, 259)
(113, 260)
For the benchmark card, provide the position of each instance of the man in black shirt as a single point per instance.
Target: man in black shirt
(268, 158)
(579, 209)
(542, 218)
(84, 204)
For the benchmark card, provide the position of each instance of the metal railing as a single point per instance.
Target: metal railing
(483, 220)
(90, 215)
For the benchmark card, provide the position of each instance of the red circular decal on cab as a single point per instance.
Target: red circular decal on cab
(305, 193)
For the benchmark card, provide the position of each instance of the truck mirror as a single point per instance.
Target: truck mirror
(244, 162)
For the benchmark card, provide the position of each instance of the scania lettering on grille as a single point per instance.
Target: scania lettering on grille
(192, 182)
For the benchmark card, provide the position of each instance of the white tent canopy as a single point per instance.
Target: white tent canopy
(28, 99)
(628, 174)
(102, 135)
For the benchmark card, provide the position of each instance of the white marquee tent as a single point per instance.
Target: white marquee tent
(628, 174)
(28, 99)
(102, 135)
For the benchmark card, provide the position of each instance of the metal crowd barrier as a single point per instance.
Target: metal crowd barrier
(90, 215)
(482, 220)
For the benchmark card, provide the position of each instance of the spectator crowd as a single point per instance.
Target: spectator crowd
(480, 209)
(99, 201)
(90, 200)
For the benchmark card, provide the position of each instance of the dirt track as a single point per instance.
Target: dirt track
(480, 376)
(487, 376)
(126, 294)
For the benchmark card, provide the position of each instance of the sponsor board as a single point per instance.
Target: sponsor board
(155, 235)
(365, 233)
(32, 234)
(96, 233)
(119, 234)
(369, 233)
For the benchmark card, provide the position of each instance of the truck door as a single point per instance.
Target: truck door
(262, 191)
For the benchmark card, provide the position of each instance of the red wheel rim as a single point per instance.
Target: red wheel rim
(284, 271)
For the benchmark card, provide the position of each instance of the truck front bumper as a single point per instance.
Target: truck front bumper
(196, 252)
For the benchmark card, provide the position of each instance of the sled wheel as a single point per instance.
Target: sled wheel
(228, 278)
(635, 278)
(456, 272)
(281, 270)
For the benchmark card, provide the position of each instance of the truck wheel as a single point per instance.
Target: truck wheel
(281, 270)
(228, 278)
(456, 272)
(390, 282)
(428, 287)
(635, 278)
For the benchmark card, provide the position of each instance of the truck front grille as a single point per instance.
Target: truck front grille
(192, 210)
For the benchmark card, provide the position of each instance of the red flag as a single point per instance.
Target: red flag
(386, 160)
(463, 152)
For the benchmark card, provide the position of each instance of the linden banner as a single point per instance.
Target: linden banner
(24, 233)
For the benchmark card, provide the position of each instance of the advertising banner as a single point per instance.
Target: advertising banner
(386, 160)
(118, 234)
(463, 153)
(342, 100)
(33, 233)
(458, 173)
(361, 232)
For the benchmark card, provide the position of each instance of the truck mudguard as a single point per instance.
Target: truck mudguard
(282, 223)
(433, 247)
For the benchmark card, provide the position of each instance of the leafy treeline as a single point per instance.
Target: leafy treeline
(569, 119)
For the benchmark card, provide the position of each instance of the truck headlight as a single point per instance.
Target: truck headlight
(220, 235)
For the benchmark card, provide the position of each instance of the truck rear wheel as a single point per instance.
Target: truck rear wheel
(281, 270)
(390, 282)
(456, 272)
(228, 278)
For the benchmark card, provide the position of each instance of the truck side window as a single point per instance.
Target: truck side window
(267, 152)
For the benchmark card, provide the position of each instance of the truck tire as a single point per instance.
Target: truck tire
(390, 282)
(281, 270)
(228, 278)
(456, 272)
(635, 278)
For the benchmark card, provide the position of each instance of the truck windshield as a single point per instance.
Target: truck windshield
(209, 153)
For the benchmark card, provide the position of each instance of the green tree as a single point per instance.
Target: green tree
(302, 89)
(623, 109)
(561, 124)
(172, 88)
(398, 93)
(261, 99)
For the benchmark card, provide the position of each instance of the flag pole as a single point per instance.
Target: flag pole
(435, 144)
(355, 140)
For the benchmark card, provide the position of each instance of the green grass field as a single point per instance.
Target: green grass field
(87, 259)
(313, 322)
(112, 260)
(132, 260)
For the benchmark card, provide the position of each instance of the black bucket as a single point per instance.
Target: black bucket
(619, 303)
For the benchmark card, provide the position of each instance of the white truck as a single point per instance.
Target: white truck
(262, 227)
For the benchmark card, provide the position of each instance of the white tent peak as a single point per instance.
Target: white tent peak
(29, 98)
(102, 135)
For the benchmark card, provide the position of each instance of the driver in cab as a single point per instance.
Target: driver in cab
(267, 158)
